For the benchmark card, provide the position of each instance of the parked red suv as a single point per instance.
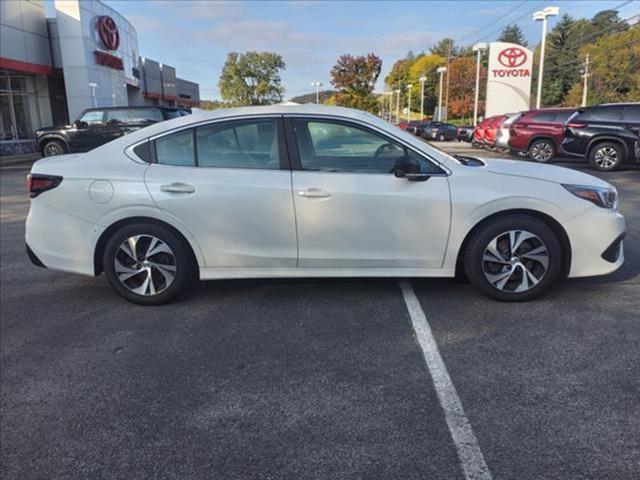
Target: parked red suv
(539, 133)
(491, 131)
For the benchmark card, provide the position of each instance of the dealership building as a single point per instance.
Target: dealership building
(86, 56)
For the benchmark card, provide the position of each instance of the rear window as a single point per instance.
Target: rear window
(172, 114)
(603, 114)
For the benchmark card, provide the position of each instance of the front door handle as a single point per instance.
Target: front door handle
(178, 187)
(314, 193)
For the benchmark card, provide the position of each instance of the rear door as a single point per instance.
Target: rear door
(351, 211)
(228, 183)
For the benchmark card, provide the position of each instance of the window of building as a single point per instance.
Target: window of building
(18, 106)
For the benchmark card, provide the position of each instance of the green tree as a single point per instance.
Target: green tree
(562, 66)
(355, 78)
(614, 69)
(425, 65)
(512, 34)
(252, 78)
(445, 48)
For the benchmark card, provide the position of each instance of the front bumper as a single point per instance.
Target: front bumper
(596, 242)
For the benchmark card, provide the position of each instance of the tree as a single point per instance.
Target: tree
(445, 48)
(425, 65)
(355, 78)
(462, 79)
(512, 34)
(614, 69)
(561, 59)
(252, 78)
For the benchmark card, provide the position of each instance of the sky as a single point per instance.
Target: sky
(195, 36)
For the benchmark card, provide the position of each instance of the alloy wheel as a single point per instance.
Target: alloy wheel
(515, 261)
(541, 152)
(53, 148)
(606, 157)
(145, 265)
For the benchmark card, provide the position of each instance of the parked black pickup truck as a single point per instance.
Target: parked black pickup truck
(96, 126)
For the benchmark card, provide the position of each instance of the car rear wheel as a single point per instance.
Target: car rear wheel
(606, 156)
(441, 137)
(147, 264)
(513, 259)
(542, 151)
(51, 148)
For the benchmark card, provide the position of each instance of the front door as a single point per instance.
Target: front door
(353, 212)
(226, 184)
(89, 131)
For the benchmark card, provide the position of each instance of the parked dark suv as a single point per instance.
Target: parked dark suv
(607, 135)
(96, 126)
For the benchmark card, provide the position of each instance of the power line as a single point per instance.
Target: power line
(500, 18)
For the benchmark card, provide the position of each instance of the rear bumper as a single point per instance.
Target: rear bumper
(596, 242)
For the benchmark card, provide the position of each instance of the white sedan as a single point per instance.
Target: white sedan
(312, 191)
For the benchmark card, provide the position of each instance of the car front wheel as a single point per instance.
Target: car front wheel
(147, 264)
(513, 259)
(51, 148)
(542, 151)
(606, 156)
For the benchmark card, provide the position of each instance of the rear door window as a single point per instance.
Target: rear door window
(117, 117)
(603, 114)
(145, 115)
(176, 149)
(543, 117)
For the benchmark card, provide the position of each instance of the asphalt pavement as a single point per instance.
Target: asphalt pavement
(314, 379)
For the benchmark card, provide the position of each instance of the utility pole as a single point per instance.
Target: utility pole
(441, 71)
(446, 101)
(422, 80)
(585, 80)
(317, 85)
(478, 47)
(409, 88)
(398, 105)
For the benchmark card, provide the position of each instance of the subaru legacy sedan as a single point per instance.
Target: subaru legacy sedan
(312, 191)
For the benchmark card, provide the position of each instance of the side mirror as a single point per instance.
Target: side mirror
(408, 168)
(80, 124)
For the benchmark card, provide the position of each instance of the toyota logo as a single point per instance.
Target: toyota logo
(512, 57)
(108, 32)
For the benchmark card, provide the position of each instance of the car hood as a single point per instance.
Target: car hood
(539, 171)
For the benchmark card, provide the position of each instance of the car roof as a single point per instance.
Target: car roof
(136, 107)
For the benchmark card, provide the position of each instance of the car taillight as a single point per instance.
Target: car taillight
(576, 125)
(36, 184)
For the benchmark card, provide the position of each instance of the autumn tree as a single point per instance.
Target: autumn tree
(462, 78)
(252, 78)
(512, 34)
(355, 78)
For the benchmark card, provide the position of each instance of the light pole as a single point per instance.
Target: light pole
(541, 15)
(398, 105)
(422, 80)
(441, 71)
(478, 47)
(317, 85)
(585, 80)
(409, 106)
(390, 105)
(93, 93)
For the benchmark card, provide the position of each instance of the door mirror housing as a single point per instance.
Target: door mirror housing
(408, 168)
(80, 124)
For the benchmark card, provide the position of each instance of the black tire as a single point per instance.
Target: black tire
(542, 150)
(185, 267)
(606, 156)
(53, 147)
(474, 254)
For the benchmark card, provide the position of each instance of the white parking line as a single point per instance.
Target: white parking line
(471, 458)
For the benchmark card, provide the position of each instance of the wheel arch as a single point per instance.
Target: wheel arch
(553, 224)
(607, 138)
(111, 229)
(47, 137)
(543, 137)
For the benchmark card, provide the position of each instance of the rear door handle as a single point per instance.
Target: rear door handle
(314, 193)
(178, 187)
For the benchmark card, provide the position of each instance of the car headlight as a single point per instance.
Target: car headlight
(601, 196)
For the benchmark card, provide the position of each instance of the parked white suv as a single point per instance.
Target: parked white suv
(312, 191)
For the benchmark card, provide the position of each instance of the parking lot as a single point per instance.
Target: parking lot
(316, 379)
